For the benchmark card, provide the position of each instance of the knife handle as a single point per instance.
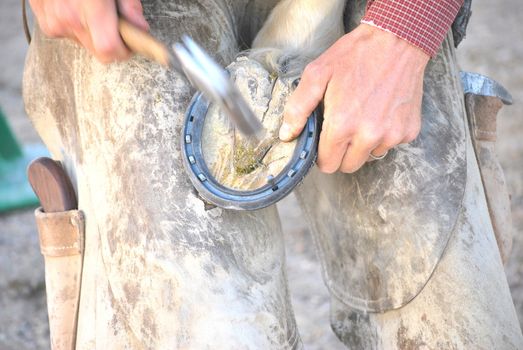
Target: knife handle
(51, 185)
(143, 43)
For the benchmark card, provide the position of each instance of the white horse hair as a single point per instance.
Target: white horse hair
(296, 32)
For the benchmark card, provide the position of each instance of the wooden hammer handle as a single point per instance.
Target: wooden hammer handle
(143, 43)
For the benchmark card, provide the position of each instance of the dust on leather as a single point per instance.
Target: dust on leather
(233, 160)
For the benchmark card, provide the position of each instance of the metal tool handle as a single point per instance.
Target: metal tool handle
(143, 43)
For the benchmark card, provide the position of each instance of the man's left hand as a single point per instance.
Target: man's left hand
(371, 83)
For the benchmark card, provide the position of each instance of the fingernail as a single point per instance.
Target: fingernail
(285, 132)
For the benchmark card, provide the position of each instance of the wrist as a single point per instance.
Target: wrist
(390, 45)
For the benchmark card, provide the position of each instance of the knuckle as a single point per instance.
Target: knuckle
(411, 136)
(296, 129)
(326, 163)
(293, 128)
(348, 168)
(292, 111)
(316, 91)
(389, 143)
(415, 124)
(350, 129)
(67, 15)
(52, 28)
(326, 168)
(392, 139)
(339, 120)
(107, 49)
(132, 6)
(137, 5)
(43, 27)
(313, 69)
(104, 48)
(124, 5)
(336, 133)
(294, 132)
(72, 21)
(295, 115)
(103, 58)
(370, 135)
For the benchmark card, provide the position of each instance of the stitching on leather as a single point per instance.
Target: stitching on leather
(62, 248)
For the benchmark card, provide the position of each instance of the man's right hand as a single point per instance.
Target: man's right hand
(93, 23)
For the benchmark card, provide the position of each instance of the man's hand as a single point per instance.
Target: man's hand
(372, 85)
(93, 23)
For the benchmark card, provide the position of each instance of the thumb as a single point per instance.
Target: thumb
(132, 10)
(304, 100)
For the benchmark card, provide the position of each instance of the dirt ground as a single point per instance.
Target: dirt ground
(493, 47)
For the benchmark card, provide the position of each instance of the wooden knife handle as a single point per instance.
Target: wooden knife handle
(51, 185)
(143, 43)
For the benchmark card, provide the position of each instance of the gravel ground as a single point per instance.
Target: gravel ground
(493, 47)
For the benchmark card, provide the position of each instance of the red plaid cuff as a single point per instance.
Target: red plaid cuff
(423, 23)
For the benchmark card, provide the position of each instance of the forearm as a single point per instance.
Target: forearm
(423, 23)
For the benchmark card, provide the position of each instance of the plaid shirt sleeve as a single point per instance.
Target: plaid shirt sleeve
(423, 23)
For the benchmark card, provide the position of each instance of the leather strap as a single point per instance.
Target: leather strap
(61, 233)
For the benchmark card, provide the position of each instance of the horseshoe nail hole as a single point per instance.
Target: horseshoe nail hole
(303, 154)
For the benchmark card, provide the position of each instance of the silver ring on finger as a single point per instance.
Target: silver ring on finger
(378, 157)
